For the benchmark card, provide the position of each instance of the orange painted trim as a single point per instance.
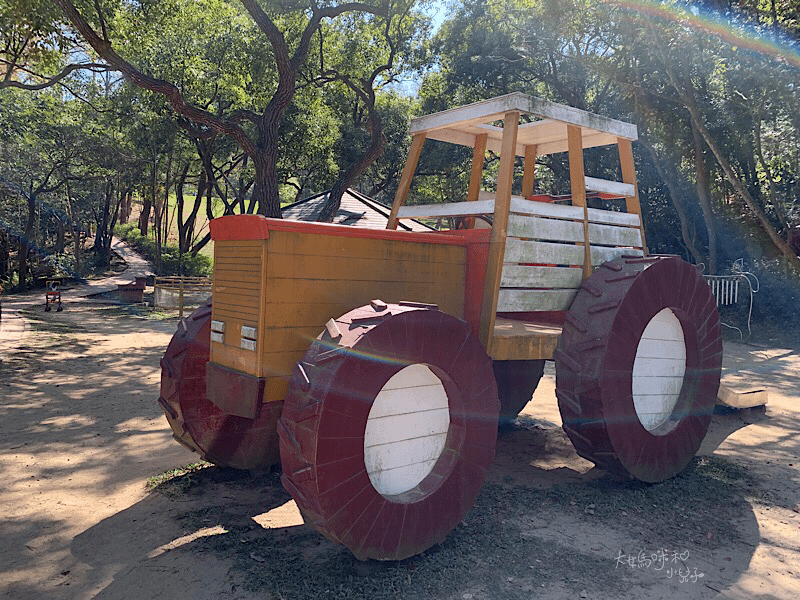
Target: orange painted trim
(257, 227)
(239, 227)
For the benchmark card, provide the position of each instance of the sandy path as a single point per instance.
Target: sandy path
(81, 433)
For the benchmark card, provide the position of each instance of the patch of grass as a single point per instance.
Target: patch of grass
(176, 482)
(706, 497)
(141, 311)
(720, 469)
(39, 322)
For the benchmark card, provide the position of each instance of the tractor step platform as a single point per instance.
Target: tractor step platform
(523, 340)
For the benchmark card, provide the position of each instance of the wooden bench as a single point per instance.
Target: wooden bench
(42, 272)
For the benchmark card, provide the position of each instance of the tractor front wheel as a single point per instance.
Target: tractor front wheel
(197, 423)
(388, 429)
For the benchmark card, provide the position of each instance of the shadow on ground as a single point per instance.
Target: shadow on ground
(581, 532)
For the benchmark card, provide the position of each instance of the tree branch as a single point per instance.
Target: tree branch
(50, 81)
(159, 86)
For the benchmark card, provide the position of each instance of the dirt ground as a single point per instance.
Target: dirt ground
(82, 434)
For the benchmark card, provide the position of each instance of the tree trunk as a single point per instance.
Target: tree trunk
(102, 246)
(703, 186)
(741, 189)
(26, 242)
(60, 236)
(4, 255)
(674, 196)
(771, 189)
(144, 216)
(76, 230)
(354, 171)
(266, 195)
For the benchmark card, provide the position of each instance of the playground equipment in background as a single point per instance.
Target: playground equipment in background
(52, 295)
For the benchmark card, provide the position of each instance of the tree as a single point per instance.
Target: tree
(35, 50)
(289, 28)
(364, 56)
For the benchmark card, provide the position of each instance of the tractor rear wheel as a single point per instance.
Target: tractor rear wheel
(197, 423)
(516, 382)
(638, 366)
(388, 429)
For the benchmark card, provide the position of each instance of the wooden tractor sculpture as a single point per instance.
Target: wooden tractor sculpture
(384, 413)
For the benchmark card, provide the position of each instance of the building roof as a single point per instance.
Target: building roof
(355, 209)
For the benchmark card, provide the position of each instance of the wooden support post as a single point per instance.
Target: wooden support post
(180, 299)
(405, 179)
(529, 175)
(578, 187)
(476, 175)
(497, 242)
(632, 204)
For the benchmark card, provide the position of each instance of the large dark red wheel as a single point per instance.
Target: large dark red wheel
(197, 423)
(516, 382)
(388, 429)
(638, 366)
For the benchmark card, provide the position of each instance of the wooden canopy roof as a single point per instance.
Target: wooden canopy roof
(547, 132)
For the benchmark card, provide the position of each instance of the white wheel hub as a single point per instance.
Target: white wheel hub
(406, 430)
(658, 370)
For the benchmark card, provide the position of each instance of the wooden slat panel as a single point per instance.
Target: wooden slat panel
(244, 288)
(233, 357)
(359, 269)
(601, 254)
(317, 314)
(609, 187)
(612, 217)
(238, 249)
(521, 251)
(545, 229)
(223, 244)
(512, 300)
(524, 206)
(244, 278)
(227, 297)
(344, 291)
(290, 339)
(536, 276)
(450, 209)
(227, 252)
(545, 209)
(230, 264)
(609, 235)
(280, 364)
(282, 242)
(235, 312)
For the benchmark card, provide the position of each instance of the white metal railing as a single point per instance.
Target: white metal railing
(726, 290)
